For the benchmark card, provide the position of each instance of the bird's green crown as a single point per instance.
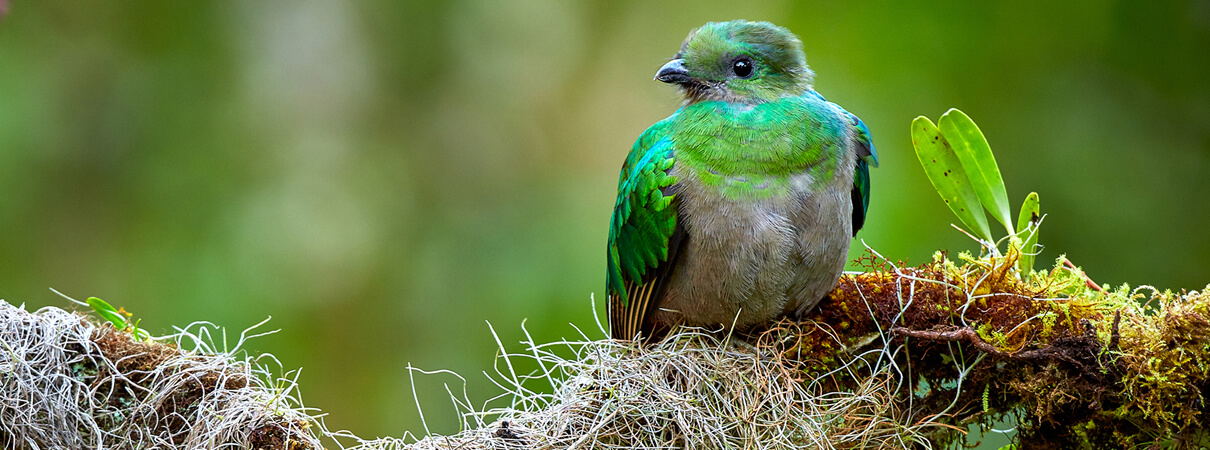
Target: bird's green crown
(741, 61)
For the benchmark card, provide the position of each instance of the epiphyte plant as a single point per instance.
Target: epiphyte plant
(960, 164)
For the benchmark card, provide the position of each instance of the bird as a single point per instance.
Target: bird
(738, 208)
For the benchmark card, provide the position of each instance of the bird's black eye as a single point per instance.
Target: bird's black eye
(742, 68)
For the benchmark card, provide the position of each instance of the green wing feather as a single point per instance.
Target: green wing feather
(867, 157)
(643, 233)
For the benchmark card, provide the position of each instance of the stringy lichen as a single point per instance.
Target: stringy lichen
(690, 390)
(66, 383)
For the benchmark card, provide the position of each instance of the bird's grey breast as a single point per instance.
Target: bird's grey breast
(748, 260)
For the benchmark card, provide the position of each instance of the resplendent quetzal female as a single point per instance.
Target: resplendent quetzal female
(739, 208)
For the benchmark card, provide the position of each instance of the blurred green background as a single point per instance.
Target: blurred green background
(383, 177)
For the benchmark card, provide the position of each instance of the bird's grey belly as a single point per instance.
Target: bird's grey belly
(750, 261)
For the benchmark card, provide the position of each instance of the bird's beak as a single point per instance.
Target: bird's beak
(673, 72)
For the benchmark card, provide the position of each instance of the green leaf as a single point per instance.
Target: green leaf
(945, 171)
(1027, 224)
(107, 312)
(138, 334)
(977, 158)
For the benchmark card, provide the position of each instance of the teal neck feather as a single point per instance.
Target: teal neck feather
(751, 150)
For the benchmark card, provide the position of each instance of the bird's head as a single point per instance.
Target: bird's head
(738, 61)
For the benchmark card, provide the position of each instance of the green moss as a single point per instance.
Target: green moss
(1084, 367)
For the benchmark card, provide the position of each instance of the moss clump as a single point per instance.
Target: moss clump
(1082, 367)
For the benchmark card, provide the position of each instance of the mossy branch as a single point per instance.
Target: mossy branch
(898, 357)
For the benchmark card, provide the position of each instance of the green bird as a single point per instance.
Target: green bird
(739, 207)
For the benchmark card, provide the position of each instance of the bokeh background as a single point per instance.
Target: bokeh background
(384, 177)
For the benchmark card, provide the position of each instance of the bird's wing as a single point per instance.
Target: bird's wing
(866, 158)
(644, 234)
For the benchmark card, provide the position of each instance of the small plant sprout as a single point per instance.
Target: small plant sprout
(962, 168)
(1026, 238)
(107, 312)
